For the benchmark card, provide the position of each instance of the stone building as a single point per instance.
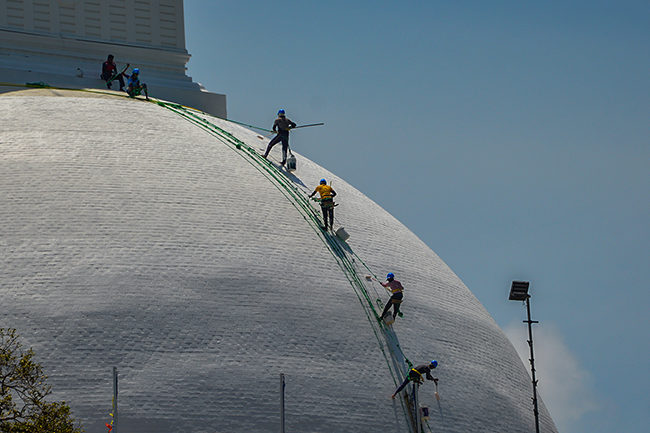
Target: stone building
(169, 249)
(63, 43)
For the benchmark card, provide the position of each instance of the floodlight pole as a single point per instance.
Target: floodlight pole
(519, 292)
(532, 361)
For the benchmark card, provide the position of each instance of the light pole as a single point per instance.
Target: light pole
(519, 292)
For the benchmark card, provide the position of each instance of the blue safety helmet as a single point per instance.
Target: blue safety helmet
(434, 363)
(136, 71)
(281, 112)
(390, 275)
(323, 181)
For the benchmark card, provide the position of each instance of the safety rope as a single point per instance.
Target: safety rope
(295, 197)
(42, 85)
(300, 201)
(311, 216)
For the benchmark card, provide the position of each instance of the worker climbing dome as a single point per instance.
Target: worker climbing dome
(171, 250)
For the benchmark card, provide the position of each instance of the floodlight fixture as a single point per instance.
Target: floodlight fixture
(519, 291)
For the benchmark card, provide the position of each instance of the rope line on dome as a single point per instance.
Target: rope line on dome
(245, 124)
(42, 85)
(289, 186)
(300, 201)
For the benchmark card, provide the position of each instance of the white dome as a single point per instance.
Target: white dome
(133, 237)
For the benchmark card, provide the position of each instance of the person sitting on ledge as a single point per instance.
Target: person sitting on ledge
(110, 74)
(135, 87)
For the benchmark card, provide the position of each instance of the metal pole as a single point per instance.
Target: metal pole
(282, 385)
(114, 399)
(416, 406)
(532, 362)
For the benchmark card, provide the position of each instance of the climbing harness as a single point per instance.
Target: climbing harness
(414, 378)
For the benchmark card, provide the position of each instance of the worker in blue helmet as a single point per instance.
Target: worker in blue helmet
(135, 87)
(327, 204)
(396, 288)
(416, 375)
(281, 127)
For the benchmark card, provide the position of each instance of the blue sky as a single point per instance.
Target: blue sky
(512, 137)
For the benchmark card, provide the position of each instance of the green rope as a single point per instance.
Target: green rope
(244, 124)
(298, 199)
(291, 192)
(39, 84)
(42, 85)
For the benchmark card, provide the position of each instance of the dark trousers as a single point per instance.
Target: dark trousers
(395, 301)
(119, 78)
(285, 146)
(412, 376)
(328, 212)
(133, 92)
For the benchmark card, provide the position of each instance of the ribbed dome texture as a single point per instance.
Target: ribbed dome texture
(138, 237)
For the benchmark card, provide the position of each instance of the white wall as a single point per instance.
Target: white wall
(53, 41)
(143, 23)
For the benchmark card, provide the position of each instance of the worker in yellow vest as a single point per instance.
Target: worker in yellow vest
(327, 204)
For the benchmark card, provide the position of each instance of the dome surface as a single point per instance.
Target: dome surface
(151, 239)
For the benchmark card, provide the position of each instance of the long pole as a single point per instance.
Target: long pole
(416, 407)
(532, 362)
(306, 126)
(282, 385)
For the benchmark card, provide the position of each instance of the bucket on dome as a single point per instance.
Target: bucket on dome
(291, 163)
(342, 234)
(425, 413)
(388, 319)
